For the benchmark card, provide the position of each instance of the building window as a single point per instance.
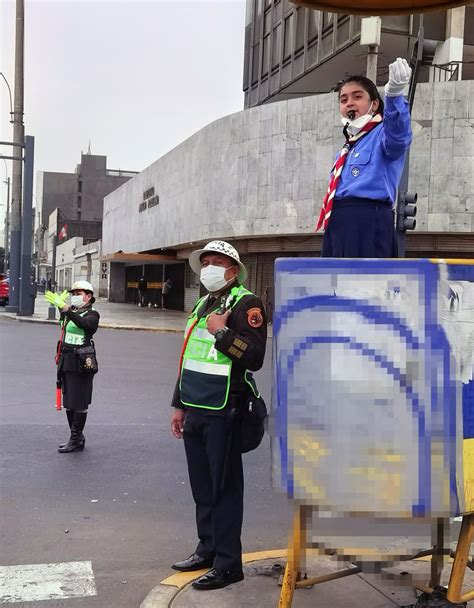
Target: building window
(276, 46)
(300, 17)
(288, 42)
(343, 33)
(255, 55)
(265, 54)
(328, 21)
(313, 25)
(257, 21)
(267, 22)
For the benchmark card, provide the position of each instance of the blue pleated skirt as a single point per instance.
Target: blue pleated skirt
(360, 228)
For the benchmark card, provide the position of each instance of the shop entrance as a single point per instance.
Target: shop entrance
(156, 277)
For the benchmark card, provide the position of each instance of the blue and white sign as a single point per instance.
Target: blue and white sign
(367, 388)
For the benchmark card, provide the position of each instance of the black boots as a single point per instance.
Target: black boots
(70, 418)
(77, 441)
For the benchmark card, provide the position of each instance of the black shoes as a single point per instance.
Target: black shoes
(72, 445)
(194, 562)
(216, 579)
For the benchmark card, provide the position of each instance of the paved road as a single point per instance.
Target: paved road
(124, 503)
(123, 507)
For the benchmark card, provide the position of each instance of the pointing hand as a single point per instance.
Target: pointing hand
(398, 78)
(217, 321)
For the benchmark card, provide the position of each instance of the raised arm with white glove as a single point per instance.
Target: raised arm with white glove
(399, 74)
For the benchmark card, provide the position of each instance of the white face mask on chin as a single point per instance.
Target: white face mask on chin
(212, 277)
(354, 126)
(77, 301)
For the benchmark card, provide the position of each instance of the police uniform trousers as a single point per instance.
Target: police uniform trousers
(213, 454)
(360, 228)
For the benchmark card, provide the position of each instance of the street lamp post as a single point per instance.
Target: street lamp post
(17, 164)
(7, 223)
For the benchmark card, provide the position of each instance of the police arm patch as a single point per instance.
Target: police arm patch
(254, 317)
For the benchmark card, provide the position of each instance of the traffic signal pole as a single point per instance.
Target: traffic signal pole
(406, 201)
(27, 290)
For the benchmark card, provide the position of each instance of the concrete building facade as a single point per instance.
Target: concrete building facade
(76, 261)
(257, 178)
(292, 51)
(79, 198)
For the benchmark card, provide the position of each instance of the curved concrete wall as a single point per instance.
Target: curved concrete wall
(263, 171)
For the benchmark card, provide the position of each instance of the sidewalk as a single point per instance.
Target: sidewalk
(115, 316)
(118, 316)
(261, 589)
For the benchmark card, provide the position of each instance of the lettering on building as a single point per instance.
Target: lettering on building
(150, 199)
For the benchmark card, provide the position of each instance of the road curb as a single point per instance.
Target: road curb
(14, 317)
(164, 593)
(160, 596)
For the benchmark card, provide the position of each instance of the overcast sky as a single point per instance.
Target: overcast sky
(135, 78)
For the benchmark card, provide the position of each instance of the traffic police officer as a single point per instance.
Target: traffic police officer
(225, 337)
(79, 321)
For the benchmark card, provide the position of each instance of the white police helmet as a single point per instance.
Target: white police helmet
(217, 247)
(84, 285)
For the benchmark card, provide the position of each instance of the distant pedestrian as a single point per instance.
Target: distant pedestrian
(142, 287)
(165, 292)
(43, 284)
(50, 284)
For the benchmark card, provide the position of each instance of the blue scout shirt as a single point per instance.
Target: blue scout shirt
(374, 165)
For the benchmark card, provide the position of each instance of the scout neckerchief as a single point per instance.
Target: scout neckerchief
(326, 208)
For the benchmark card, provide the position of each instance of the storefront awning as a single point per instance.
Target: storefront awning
(138, 258)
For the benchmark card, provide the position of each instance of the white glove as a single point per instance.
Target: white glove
(399, 74)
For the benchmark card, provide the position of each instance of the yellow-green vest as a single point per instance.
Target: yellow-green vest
(205, 371)
(74, 335)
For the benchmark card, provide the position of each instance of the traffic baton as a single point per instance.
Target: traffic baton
(58, 398)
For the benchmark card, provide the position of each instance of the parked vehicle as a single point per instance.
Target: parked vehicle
(4, 291)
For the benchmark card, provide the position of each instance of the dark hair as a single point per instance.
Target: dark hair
(367, 85)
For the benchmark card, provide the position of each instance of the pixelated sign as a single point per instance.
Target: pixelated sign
(373, 385)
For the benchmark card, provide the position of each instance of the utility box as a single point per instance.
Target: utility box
(370, 30)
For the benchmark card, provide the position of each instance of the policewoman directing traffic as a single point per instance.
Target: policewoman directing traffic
(357, 211)
(76, 359)
(225, 337)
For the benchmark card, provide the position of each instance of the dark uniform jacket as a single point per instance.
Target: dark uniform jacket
(89, 323)
(244, 343)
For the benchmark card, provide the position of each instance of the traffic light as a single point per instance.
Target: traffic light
(406, 211)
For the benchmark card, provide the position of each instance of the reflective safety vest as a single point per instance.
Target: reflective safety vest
(205, 371)
(73, 334)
